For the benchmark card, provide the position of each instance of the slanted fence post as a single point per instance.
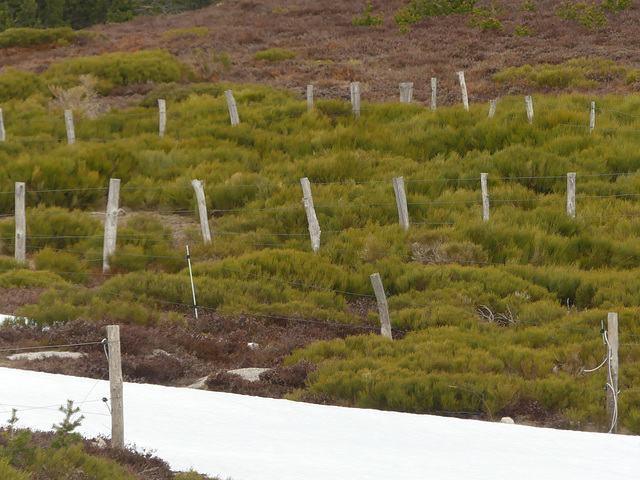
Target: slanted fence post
(485, 196)
(463, 88)
(355, 98)
(529, 103)
(383, 307)
(162, 122)
(434, 94)
(312, 219)
(571, 195)
(115, 384)
(111, 223)
(492, 108)
(309, 98)
(71, 131)
(612, 376)
(233, 108)
(406, 92)
(3, 134)
(202, 210)
(21, 223)
(401, 201)
(592, 117)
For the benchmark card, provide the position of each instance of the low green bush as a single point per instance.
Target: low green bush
(19, 85)
(26, 37)
(367, 19)
(415, 10)
(590, 16)
(275, 54)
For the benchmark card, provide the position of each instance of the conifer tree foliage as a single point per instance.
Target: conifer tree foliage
(79, 14)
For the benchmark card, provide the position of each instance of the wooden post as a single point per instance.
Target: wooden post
(3, 134)
(406, 92)
(21, 223)
(383, 308)
(492, 108)
(162, 110)
(571, 195)
(612, 377)
(463, 87)
(233, 108)
(592, 117)
(111, 223)
(355, 98)
(202, 210)
(115, 384)
(309, 98)
(401, 201)
(312, 219)
(434, 94)
(529, 103)
(485, 197)
(71, 131)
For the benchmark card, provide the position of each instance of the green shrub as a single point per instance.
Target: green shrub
(590, 16)
(26, 37)
(64, 264)
(617, 5)
(521, 31)
(120, 69)
(367, 19)
(186, 32)
(528, 6)
(18, 85)
(416, 10)
(275, 54)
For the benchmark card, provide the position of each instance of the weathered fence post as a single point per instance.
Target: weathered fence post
(21, 223)
(592, 117)
(71, 131)
(162, 122)
(111, 223)
(529, 103)
(3, 134)
(485, 197)
(233, 108)
(571, 195)
(202, 210)
(115, 387)
(463, 88)
(312, 219)
(355, 98)
(406, 92)
(309, 98)
(612, 377)
(383, 308)
(401, 201)
(492, 108)
(434, 94)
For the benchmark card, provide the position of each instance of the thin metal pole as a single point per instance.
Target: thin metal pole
(193, 290)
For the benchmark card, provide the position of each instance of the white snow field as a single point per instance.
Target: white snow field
(250, 438)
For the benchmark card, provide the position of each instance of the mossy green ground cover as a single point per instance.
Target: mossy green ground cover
(553, 277)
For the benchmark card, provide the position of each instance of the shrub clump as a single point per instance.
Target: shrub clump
(368, 19)
(275, 54)
(27, 37)
(419, 9)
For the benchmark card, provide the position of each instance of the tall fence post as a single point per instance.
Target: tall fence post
(401, 201)
(529, 103)
(309, 98)
(71, 131)
(233, 108)
(111, 223)
(571, 195)
(406, 92)
(592, 117)
(492, 108)
(202, 210)
(355, 98)
(115, 387)
(463, 88)
(21, 223)
(312, 219)
(162, 122)
(485, 197)
(3, 134)
(383, 308)
(612, 377)
(434, 94)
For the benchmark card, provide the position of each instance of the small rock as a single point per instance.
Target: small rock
(99, 442)
(253, 346)
(251, 374)
(199, 384)
(507, 420)
(42, 355)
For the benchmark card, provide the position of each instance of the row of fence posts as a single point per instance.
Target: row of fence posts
(406, 96)
(113, 200)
